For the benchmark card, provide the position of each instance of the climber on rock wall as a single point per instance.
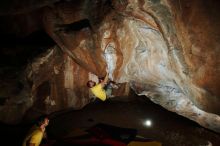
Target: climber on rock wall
(103, 89)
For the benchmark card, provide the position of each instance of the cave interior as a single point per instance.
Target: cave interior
(163, 55)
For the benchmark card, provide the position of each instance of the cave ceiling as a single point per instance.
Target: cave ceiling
(165, 50)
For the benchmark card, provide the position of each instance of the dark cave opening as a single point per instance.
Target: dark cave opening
(17, 51)
(15, 54)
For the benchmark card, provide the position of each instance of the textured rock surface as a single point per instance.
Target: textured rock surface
(166, 50)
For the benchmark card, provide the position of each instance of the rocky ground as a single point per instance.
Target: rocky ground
(167, 127)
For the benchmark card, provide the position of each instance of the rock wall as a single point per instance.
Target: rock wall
(163, 49)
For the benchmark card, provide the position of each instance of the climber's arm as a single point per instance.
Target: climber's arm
(104, 82)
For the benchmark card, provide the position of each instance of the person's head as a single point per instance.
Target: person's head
(91, 84)
(43, 121)
(101, 79)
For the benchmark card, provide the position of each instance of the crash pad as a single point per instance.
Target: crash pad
(138, 143)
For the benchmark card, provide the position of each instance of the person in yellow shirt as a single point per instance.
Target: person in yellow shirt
(103, 89)
(36, 133)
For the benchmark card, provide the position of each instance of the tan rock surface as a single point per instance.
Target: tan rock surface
(166, 50)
